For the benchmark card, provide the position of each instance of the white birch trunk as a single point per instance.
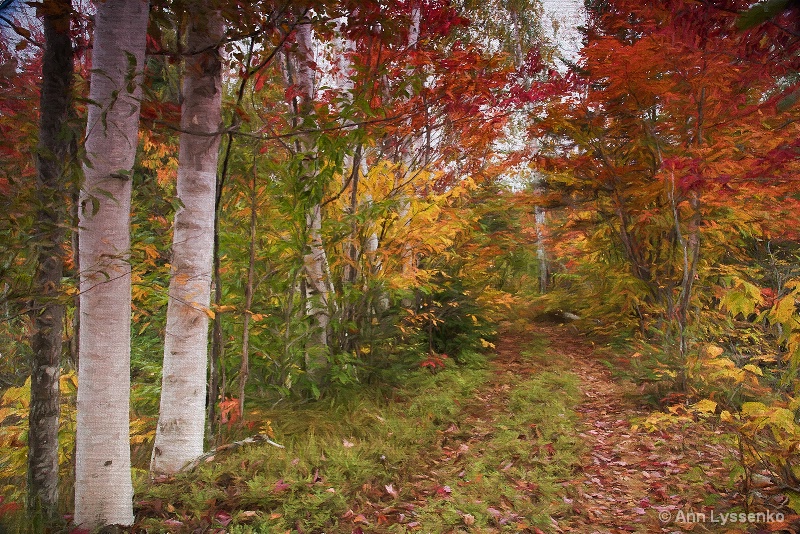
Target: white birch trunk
(408, 258)
(318, 280)
(181, 421)
(103, 488)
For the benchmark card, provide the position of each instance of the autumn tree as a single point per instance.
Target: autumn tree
(661, 137)
(103, 488)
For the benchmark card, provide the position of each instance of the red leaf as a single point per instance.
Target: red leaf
(280, 486)
(223, 518)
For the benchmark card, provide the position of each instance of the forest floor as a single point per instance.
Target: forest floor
(542, 438)
(623, 480)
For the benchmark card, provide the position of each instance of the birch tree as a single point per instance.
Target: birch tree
(103, 488)
(300, 72)
(179, 434)
(47, 316)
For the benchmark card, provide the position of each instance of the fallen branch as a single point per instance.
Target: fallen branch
(209, 456)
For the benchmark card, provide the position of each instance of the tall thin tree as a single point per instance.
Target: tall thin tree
(103, 488)
(48, 310)
(181, 422)
(300, 72)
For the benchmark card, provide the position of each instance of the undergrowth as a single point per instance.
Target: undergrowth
(333, 448)
(414, 450)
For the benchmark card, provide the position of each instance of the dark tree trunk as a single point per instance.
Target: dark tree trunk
(51, 217)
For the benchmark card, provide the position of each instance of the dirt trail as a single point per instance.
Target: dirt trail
(631, 480)
(627, 481)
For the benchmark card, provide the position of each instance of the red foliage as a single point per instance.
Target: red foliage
(434, 362)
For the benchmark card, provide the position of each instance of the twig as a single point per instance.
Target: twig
(207, 457)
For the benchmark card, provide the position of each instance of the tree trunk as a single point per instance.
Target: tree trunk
(181, 422)
(244, 369)
(317, 279)
(103, 488)
(48, 311)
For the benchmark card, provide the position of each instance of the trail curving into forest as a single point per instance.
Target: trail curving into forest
(630, 480)
(623, 479)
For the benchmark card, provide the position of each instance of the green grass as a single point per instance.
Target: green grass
(334, 448)
(516, 480)
(341, 453)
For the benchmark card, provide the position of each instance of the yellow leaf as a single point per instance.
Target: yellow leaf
(753, 369)
(705, 406)
(784, 309)
(712, 351)
(208, 311)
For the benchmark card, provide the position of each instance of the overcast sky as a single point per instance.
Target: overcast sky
(564, 16)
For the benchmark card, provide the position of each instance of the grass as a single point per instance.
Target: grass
(421, 457)
(334, 449)
(514, 480)
(474, 447)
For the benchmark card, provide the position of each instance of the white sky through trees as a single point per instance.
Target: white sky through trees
(561, 26)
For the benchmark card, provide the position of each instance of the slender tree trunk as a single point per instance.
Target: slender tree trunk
(181, 422)
(317, 279)
(48, 312)
(244, 369)
(352, 253)
(217, 347)
(103, 488)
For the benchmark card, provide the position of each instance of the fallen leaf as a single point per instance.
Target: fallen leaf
(280, 486)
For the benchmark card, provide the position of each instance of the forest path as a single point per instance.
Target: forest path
(619, 479)
(630, 480)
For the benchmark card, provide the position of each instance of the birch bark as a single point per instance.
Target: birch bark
(181, 421)
(103, 488)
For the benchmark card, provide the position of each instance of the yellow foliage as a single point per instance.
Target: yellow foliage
(705, 406)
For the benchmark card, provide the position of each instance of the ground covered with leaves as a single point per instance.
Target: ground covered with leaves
(538, 438)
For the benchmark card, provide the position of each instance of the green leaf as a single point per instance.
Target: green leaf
(760, 13)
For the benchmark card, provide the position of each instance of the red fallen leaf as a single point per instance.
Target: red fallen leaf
(777, 526)
(443, 490)
(223, 518)
(360, 519)
(280, 486)
(550, 449)
(172, 523)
